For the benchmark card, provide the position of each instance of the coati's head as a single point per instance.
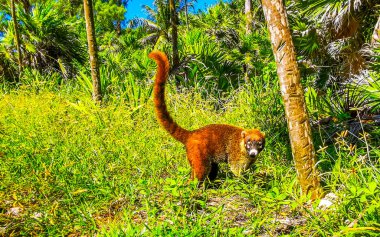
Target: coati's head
(254, 142)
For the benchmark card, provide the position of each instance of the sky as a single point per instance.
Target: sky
(134, 8)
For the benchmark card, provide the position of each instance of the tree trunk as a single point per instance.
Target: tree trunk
(92, 49)
(118, 22)
(16, 35)
(186, 15)
(248, 30)
(173, 16)
(118, 27)
(248, 16)
(72, 7)
(26, 5)
(293, 97)
(376, 33)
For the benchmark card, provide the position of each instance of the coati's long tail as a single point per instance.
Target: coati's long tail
(162, 113)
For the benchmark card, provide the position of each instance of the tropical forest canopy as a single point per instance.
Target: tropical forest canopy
(335, 41)
(75, 167)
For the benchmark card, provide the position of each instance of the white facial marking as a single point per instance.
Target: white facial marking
(253, 152)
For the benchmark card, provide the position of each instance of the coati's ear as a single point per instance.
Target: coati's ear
(243, 133)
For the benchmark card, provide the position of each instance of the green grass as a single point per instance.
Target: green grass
(69, 167)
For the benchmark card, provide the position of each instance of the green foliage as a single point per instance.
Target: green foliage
(332, 37)
(122, 81)
(342, 105)
(72, 8)
(33, 80)
(107, 13)
(7, 68)
(372, 92)
(49, 42)
(126, 90)
(218, 58)
(211, 69)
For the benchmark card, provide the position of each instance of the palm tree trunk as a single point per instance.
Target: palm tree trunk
(248, 16)
(376, 33)
(248, 30)
(118, 22)
(26, 5)
(186, 15)
(72, 7)
(173, 16)
(293, 97)
(92, 49)
(16, 35)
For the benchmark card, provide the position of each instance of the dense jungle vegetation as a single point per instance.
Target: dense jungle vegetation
(70, 166)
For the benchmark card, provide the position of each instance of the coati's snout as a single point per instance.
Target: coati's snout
(254, 142)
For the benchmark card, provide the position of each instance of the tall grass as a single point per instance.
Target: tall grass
(70, 167)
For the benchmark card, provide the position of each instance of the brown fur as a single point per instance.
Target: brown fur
(209, 145)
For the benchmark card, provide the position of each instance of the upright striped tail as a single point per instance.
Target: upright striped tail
(162, 113)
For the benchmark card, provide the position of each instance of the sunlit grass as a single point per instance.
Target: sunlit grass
(71, 167)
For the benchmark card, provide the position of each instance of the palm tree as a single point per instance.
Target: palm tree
(162, 26)
(248, 30)
(92, 49)
(248, 16)
(50, 42)
(118, 21)
(157, 24)
(16, 35)
(338, 28)
(220, 22)
(293, 97)
(174, 22)
(186, 6)
(26, 4)
(376, 33)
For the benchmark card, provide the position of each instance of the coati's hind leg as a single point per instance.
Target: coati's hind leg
(213, 172)
(200, 164)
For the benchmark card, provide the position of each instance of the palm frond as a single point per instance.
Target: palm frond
(150, 11)
(150, 39)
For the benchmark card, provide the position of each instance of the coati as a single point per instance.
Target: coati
(209, 145)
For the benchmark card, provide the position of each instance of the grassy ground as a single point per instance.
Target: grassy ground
(69, 167)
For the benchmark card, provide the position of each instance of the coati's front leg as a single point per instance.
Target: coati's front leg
(239, 164)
